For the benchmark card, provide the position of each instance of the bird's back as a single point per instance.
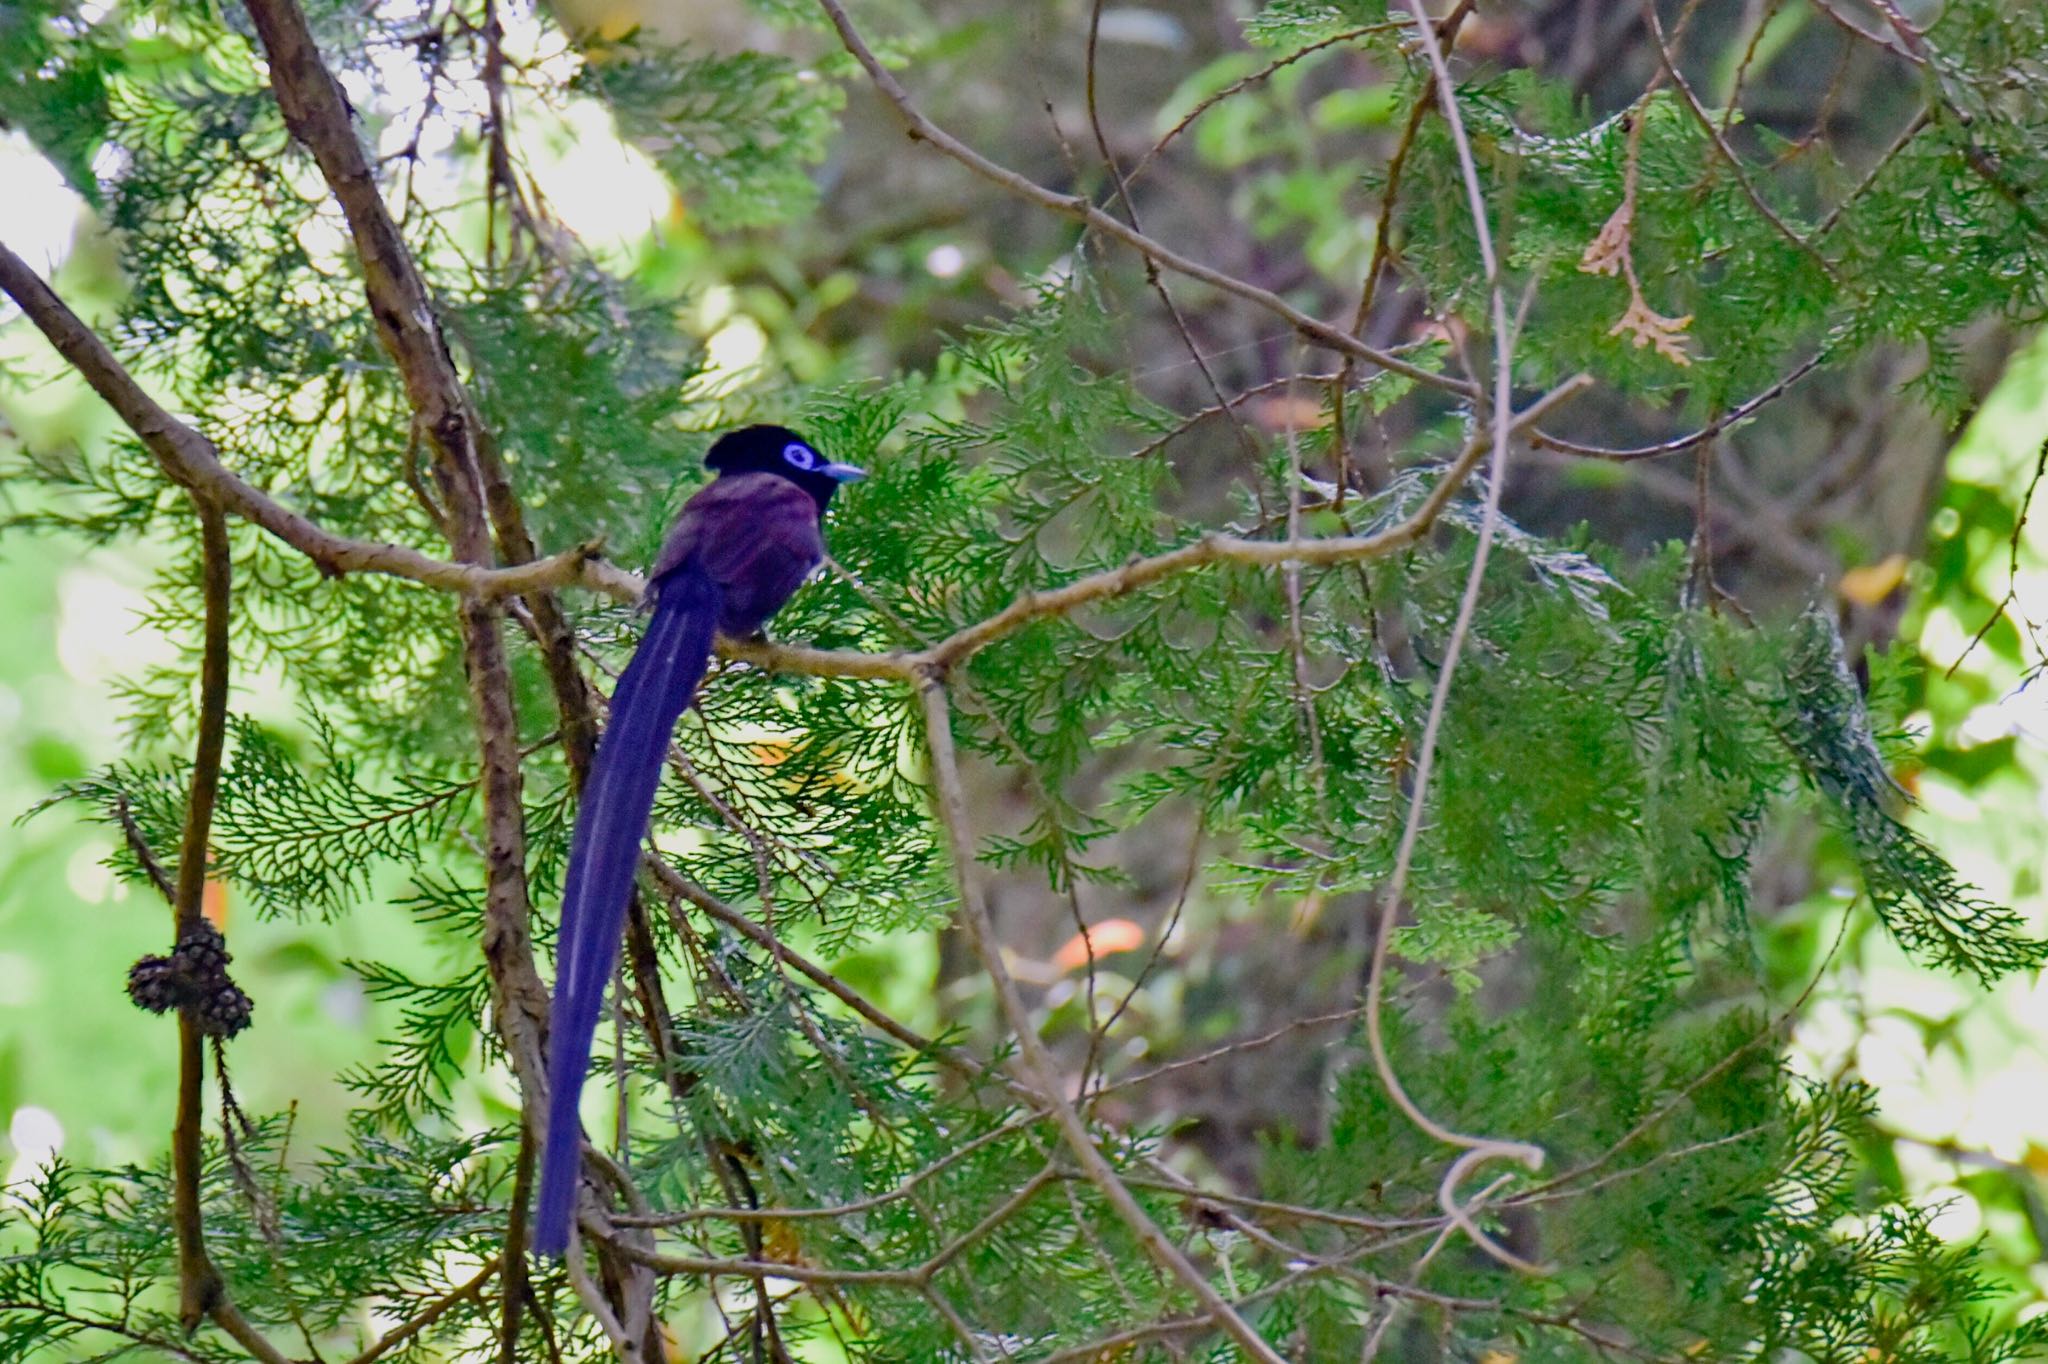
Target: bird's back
(753, 534)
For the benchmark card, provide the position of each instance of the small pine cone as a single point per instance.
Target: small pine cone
(202, 951)
(224, 1012)
(155, 984)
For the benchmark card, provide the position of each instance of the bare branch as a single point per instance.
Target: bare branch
(922, 129)
(950, 804)
(1476, 1149)
(1706, 122)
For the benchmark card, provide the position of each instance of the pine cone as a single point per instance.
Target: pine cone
(224, 1012)
(154, 984)
(193, 980)
(202, 952)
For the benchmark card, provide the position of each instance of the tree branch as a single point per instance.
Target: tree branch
(1215, 549)
(1078, 207)
(1713, 132)
(949, 802)
(188, 458)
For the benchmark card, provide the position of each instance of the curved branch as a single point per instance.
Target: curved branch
(950, 805)
(188, 458)
(1741, 412)
(1213, 549)
(1078, 207)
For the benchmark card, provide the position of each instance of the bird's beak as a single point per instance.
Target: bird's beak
(843, 473)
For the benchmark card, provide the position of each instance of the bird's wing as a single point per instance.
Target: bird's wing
(755, 535)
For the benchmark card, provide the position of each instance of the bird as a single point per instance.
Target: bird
(739, 547)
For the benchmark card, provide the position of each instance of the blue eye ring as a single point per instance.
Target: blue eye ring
(799, 456)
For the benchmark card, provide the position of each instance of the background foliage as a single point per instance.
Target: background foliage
(1726, 894)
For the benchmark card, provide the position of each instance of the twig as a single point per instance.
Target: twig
(1173, 312)
(1215, 549)
(847, 1209)
(1382, 236)
(1304, 692)
(1836, 17)
(950, 802)
(1477, 1149)
(2012, 560)
(144, 855)
(1739, 413)
(1749, 50)
(1243, 83)
(515, 1286)
(1228, 1049)
(1706, 122)
(398, 1335)
(1898, 144)
(922, 129)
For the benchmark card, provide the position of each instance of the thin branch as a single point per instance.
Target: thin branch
(1842, 21)
(1382, 236)
(683, 888)
(1477, 1149)
(1216, 549)
(847, 1209)
(169, 1347)
(1899, 144)
(1227, 1049)
(1706, 122)
(202, 1292)
(950, 804)
(1202, 414)
(1243, 83)
(200, 1287)
(1749, 51)
(1152, 277)
(216, 583)
(399, 1335)
(1078, 207)
(145, 856)
(1741, 412)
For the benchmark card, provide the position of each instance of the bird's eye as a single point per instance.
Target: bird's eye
(799, 456)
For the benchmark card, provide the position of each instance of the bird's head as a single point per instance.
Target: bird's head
(779, 450)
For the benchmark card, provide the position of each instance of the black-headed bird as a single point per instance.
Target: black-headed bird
(737, 551)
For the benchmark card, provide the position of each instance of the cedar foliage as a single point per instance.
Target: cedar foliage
(1615, 748)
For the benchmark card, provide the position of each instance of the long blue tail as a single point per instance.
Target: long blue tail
(610, 825)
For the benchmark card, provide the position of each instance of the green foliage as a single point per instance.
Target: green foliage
(1819, 716)
(1611, 757)
(740, 133)
(298, 843)
(1297, 22)
(53, 84)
